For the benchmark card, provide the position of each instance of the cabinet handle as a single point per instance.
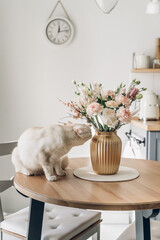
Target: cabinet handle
(138, 141)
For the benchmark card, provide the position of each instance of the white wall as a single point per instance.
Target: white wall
(33, 74)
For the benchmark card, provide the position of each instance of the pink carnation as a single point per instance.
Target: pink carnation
(94, 109)
(121, 99)
(108, 93)
(124, 115)
(133, 92)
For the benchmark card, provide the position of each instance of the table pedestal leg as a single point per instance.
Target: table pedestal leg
(35, 220)
(143, 223)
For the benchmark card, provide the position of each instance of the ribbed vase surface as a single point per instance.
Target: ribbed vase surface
(105, 151)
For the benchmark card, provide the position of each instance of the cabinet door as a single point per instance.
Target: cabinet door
(158, 146)
(153, 146)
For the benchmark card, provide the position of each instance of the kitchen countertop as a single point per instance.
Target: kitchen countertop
(152, 126)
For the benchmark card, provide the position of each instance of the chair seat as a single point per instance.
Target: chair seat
(58, 223)
(130, 234)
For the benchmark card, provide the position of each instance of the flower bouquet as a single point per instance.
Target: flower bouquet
(106, 111)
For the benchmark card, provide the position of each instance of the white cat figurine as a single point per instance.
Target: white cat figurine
(43, 149)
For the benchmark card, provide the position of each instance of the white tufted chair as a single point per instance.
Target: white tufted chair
(59, 223)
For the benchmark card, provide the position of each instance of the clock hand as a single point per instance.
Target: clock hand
(59, 28)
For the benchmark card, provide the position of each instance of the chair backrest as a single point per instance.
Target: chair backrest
(5, 149)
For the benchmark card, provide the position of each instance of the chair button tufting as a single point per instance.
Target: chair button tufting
(53, 227)
(47, 210)
(60, 222)
(75, 215)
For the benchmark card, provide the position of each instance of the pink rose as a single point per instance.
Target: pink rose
(109, 93)
(94, 109)
(124, 115)
(111, 104)
(121, 99)
(133, 92)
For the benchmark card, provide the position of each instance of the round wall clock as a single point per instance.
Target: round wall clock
(59, 31)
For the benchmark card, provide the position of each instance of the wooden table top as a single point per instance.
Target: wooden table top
(137, 194)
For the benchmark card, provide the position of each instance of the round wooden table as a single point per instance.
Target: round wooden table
(141, 193)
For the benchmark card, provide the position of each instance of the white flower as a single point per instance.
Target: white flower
(83, 102)
(111, 104)
(88, 95)
(109, 118)
(84, 91)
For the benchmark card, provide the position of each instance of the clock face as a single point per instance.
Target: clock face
(59, 31)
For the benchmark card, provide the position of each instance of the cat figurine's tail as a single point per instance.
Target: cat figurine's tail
(16, 159)
(15, 155)
(18, 164)
(64, 162)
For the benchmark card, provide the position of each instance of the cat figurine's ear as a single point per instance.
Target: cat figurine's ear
(79, 131)
(82, 131)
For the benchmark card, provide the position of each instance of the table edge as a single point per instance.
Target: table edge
(89, 205)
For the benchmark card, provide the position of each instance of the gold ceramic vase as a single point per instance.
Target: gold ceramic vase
(105, 151)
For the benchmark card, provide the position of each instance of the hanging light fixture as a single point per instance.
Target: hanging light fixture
(107, 5)
(153, 7)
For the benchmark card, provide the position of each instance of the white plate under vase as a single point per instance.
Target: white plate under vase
(123, 174)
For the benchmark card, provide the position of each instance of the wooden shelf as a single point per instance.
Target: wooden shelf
(151, 126)
(146, 70)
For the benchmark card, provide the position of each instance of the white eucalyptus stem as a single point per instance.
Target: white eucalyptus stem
(135, 112)
(96, 121)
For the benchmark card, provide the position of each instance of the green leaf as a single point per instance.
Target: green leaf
(137, 82)
(106, 128)
(77, 93)
(144, 89)
(139, 96)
